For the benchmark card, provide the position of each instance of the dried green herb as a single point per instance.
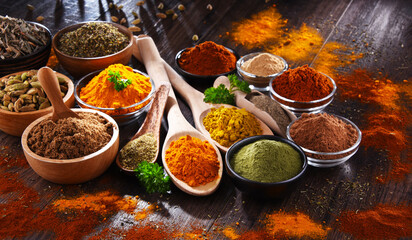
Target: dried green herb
(93, 39)
(19, 38)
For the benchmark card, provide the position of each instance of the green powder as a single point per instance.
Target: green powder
(267, 161)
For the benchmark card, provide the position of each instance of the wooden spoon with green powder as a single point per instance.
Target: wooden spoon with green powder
(242, 101)
(146, 52)
(144, 145)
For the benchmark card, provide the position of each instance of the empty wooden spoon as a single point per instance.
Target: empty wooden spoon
(199, 108)
(50, 84)
(153, 121)
(148, 54)
(241, 101)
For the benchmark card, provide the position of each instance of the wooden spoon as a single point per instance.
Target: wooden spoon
(199, 108)
(148, 54)
(242, 102)
(50, 84)
(153, 120)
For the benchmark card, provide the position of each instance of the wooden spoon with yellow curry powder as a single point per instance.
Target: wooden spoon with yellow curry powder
(148, 54)
(242, 101)
(199, 108)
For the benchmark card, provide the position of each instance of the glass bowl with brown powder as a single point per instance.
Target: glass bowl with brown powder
(328, 140)
(259, 68)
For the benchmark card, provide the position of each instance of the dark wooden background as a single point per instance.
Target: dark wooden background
(322, 193)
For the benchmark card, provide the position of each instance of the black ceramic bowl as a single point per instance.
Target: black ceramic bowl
(259, 189)
(191, 76)
(35, 60)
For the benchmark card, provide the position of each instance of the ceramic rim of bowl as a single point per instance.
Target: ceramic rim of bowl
(295, 146)
(148, 97)
(58, 35)
(345, 151)
(115, 135)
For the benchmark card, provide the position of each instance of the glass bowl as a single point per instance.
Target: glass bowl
(117, 113)
(259, 83)
(191, 76)
(298, 107)
(261, 189)
(330, 159)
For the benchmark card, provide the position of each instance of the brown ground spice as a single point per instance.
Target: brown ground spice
(323, 133)
(70, 137)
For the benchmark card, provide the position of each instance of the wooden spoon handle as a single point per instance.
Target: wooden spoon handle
(50, 84)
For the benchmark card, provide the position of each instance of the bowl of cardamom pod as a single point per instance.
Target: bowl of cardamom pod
(85, 47)
(23, 45)
(23, 100)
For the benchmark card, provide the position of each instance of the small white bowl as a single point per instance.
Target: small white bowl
(260, 83)
(330, 159)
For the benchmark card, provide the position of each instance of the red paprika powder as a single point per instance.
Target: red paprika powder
(302, 84)
(380, 222)
(207, 58)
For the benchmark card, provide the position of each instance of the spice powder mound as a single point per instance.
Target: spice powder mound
(70, 138)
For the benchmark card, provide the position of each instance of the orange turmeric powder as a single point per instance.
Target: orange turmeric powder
(100, 92)
(192, 161)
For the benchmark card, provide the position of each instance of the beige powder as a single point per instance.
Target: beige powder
(263, 65)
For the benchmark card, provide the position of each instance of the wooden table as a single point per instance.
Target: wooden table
(323, 193)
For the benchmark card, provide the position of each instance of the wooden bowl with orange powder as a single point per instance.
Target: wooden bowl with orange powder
(96, 91)
(206, 61)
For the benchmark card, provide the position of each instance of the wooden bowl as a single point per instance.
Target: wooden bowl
(78, 66)
(14, 123)
(76, 170)
(32, 61)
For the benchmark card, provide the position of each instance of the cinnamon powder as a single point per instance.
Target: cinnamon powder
(323, 133)
(70, 137)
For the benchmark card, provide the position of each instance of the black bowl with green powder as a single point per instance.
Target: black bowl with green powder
(266, 166)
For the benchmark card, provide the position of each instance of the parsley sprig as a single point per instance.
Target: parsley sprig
(221, 94)
(119, 83)
(152, 177)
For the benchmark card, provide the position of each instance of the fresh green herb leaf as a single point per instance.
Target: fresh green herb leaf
(223, 95)
(237, 85)
(152, 177)
(219, 95)
(119, 83)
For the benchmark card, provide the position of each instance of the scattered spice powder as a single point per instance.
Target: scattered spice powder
(298, 225)
(381, 222)
(259, 29)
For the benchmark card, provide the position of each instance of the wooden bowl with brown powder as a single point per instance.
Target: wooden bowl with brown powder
(72, 170)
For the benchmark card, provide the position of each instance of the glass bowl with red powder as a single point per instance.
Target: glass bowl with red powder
(309, 94)
(323, 158)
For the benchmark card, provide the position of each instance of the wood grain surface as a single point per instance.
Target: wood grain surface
(381, 30)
